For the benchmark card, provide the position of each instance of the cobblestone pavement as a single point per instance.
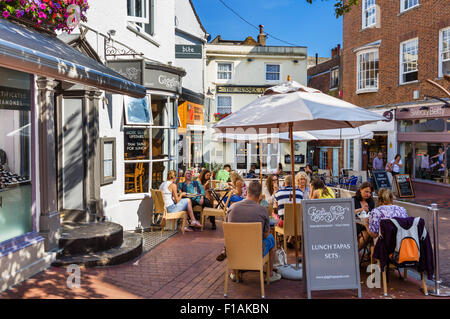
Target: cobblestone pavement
(185, 267)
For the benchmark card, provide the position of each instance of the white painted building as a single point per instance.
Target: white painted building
(138, 138)
(237, 72)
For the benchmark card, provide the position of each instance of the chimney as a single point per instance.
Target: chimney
(261, 36)
(333, 52)
(317, 58)
(339, 49)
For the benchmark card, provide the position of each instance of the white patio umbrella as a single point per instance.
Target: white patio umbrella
(290, 107)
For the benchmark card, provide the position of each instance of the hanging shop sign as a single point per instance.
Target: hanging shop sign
(184, 51)
(232, 89)
(130, 69)
(331, 260)
(157, 79)
(15, 99)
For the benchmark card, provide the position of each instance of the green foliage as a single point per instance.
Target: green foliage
(342, 6)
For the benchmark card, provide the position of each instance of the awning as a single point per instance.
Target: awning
(35, 52)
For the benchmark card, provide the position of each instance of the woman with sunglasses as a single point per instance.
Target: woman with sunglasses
(271, 188)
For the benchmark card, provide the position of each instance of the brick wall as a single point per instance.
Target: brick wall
(320, 76)
(423, 22)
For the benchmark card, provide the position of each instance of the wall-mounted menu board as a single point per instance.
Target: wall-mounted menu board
(331, 260)
(381, 179)
(404, 186)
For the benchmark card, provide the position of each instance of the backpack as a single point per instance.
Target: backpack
(407, 249)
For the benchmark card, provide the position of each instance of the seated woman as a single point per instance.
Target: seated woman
(270, 189)
(363, 202)
(174, 201)
(318, 190)
(385, 210)
(239, 189)
(302, 182)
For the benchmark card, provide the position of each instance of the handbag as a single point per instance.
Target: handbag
(388, 167)
(280, 258)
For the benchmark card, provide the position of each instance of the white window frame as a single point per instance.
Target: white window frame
(403, 7)
(217, 102)
(331, 78)
(265, 72)
(358, 64)
(441, 50)
(231, 71)
(365, 10)
(145, 9)
(401, 73)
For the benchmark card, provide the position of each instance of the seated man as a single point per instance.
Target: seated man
(224, 174)
(195, 187)
(284, 196)
(249, 211)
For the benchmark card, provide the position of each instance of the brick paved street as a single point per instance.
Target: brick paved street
(184, 267)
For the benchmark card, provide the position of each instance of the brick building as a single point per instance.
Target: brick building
(390, 50)
(325, 76)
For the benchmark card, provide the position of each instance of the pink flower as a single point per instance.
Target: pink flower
(5, 14)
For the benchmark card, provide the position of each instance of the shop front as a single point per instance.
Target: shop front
(145, 135)
(424, 140)
(191, 135)
(35, 67)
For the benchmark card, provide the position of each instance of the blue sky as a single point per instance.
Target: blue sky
(296, 21)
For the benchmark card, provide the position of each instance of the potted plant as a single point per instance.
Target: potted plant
(50, 15)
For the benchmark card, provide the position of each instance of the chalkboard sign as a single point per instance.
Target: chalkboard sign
(136, 143)
(299, 159)
(381, 179)
(404, 186)
(331, 260)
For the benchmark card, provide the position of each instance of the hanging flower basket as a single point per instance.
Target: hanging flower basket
(220, 116)
(53, 15)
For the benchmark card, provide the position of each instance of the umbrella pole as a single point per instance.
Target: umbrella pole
(260, 163)
(294, 198)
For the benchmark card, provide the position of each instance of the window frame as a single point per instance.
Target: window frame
(136, 19)
(338, 78)
(230, 72)
(402, 5)
(364, 24)
(265, 73)
(401, 62)
(441, 48)
(104, 180)
(217, 103)
(358, 66)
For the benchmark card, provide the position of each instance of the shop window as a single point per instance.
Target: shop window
(136, 149)
(137, 111)
(406, 153)
(448, 125)
(160, 112)
(108, 160)
(241, 155)
(429, 125)
(430, 161)
(368, 13)
(409, 52)
(351, 153)
(273, 156)
(444, 50)
(255, 159)
(405, 126)
(15, 154)
(273, 72)
(224, 71)
(160, 143)
(367, 70)
(323, 159)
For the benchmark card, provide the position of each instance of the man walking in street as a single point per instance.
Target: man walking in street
(249, 211)
(378, 162)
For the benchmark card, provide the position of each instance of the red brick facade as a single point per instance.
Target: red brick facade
(319, 76)
(393, 27)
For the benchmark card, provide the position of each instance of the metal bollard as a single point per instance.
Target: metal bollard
(437, 292)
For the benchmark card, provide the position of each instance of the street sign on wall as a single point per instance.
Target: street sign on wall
(331, 257)
(185, 51)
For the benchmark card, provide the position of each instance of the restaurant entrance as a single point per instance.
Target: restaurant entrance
(370, 149)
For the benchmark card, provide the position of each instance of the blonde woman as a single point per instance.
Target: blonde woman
(174, 201)
(301, 182)
(238, 188)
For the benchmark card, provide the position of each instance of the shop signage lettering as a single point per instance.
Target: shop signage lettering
(166, 81)
(381, 180)
(241, 89)
(330, 245)
(15, 99)
(134, 143)
(184, 51)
